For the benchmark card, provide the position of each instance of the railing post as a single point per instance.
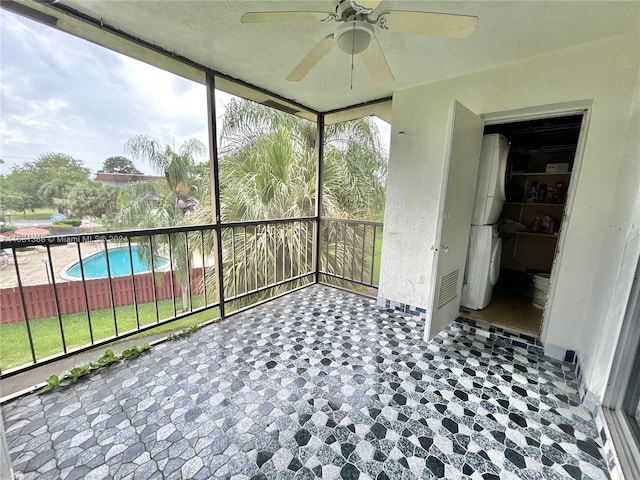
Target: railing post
(318, 210)
(24, 305)
(55, 294)
(215, 187)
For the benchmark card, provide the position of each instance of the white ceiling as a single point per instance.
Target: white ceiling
(210, 33)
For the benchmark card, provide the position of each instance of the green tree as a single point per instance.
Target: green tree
(267, 171)
(119, 164)
(168, 203)
(163, 204)
(13, 201)
(92, 199)
(22, 188)
(54, 191)
(46, 180)
(9, 198)
(49, 165)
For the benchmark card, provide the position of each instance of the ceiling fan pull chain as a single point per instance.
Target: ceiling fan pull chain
(353, 45)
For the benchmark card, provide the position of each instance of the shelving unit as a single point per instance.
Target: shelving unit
(528, 249)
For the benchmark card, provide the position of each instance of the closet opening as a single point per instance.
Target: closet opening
(526, 168)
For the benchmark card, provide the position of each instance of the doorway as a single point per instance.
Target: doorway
(539, 173)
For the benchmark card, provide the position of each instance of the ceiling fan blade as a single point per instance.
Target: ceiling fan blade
(425, 23)
(367, 4)
(376, 63)
(316, 54)
(285, 17)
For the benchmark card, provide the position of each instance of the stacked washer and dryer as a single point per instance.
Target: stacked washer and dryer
(485, 244)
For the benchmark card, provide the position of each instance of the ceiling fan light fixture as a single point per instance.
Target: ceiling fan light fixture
(354, 37)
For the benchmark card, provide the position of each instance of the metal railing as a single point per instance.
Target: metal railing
(350, 251)
(261, 256)
(151, 278)
(98, 288)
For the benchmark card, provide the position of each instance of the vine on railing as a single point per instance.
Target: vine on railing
(76, 373)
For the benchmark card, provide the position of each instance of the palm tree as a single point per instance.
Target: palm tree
(267, 171)
(53, 192)
(165, 204)
(267, 167)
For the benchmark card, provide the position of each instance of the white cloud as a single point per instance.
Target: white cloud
(63, 94)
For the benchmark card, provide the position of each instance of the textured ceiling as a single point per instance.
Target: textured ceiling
(210, 33)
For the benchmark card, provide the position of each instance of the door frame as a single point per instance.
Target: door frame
(580, 107)
(628, 347)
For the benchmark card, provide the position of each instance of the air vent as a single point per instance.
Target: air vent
(279, 106)
(448, 288)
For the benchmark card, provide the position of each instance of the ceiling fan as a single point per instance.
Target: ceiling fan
(355, 33)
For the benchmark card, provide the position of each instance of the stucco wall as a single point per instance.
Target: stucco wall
(603, 73)
(620, 257)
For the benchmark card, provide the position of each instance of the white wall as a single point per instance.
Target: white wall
(603, 72)
(622, 251)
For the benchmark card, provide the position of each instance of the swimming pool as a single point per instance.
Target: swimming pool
(95, 266)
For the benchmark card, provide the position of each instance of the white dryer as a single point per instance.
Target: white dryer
(485, 244)
(490, 194)
(483, 266)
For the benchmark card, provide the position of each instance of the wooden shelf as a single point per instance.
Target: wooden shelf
(525, 174)
(551, 235)
(531, 174)
(525, 204)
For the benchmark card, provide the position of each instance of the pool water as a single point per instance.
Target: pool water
(95, 266)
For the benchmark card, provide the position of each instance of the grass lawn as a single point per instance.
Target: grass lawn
(38, 214)
(14, 341)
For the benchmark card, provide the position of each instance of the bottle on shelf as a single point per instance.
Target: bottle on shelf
(542, 193)
(532, 196)
(535, 226)
(556, 197)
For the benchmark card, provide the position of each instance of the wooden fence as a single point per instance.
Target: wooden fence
(40, 299)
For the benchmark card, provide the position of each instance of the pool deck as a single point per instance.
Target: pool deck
(34, 272)
(32, 268)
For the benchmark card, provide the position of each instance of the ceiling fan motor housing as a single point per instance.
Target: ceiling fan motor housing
(354, 37)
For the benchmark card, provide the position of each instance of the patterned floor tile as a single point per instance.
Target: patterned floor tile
(319, 383)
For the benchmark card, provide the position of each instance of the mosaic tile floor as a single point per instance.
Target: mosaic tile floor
(319, 383)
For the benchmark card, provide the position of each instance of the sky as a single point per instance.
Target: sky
(59, 93)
